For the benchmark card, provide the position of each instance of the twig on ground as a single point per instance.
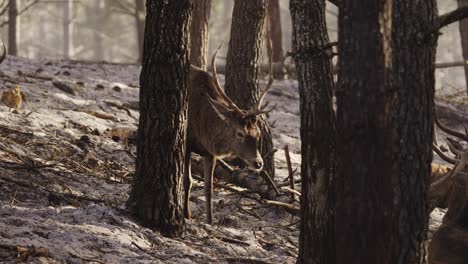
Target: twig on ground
(291, 208)
(290, 171)
(13, 199)
(269, 181)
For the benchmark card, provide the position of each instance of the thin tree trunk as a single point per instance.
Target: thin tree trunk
(274, 13)
(199, 33)
(314, 71)
(385, 102)
(157, 190)
(12, 28)
(140, 25)
(242, 65)
(67, 29)
(463, 25)
(96, 14)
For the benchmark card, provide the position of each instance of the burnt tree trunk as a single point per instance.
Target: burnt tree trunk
(199, 33)
(140, 25)
(385, 98)
(276, 36)
(157, 190)
(463, 25)
(243, 65)
(12, 28)
(314, 71)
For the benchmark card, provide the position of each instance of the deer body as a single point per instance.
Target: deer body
(217, 128)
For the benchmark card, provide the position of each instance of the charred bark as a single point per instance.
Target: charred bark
(318, 131)
(385, 98)
(157, 190)
(199, 33)
(242, 66)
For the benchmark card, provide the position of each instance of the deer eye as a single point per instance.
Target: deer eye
(240, 134)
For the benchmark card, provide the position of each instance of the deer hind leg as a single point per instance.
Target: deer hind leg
(208, 169)
(187, 185)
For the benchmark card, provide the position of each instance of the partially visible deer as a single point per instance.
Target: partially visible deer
(450, 241)
(217, 128)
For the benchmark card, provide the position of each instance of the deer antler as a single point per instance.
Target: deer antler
(4, 53)
(449, 131)
(258, 109)
(459, 163)
(220, 90)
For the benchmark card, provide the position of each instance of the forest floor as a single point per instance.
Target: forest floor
(65, 176)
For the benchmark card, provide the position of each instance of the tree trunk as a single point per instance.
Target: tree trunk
(463, 24)
(67, 28)
(157, 190)
(314, 71)
(385, 98)
(242, 65)
(275, 34)
(140, 25)
(97, 16)
(199, 33)
(12, 28)
(274, 29)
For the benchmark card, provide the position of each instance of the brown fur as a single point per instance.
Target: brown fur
(216, 131)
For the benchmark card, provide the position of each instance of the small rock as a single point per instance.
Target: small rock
(117, 88)
(66, 73)
(80, 83)
(99, 87)
(85, 139)
(95, 132)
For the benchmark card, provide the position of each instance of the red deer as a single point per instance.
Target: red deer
(450, 241)
(217, 128)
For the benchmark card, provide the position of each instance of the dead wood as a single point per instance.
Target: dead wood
(289, 207)
(246, 261)
(119, 105)
(64, 87)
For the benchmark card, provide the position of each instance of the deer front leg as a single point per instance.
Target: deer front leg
(187, 185)
(208, 169)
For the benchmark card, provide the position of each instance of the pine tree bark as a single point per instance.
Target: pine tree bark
(385, 98)
(243, 66)
(318, 131)
(157, 190)
(463, 25)
(199, 33)
(12, 28)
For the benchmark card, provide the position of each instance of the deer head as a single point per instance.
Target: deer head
(241, 126)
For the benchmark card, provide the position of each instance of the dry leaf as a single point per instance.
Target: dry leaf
(12, 98)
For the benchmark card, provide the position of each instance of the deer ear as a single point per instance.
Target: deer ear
(221, 110)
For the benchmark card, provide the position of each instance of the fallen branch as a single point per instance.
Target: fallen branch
(246, 261)
(289, 207)
(229, 189)
(120, 106)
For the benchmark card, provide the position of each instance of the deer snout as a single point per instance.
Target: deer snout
(256, 164)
